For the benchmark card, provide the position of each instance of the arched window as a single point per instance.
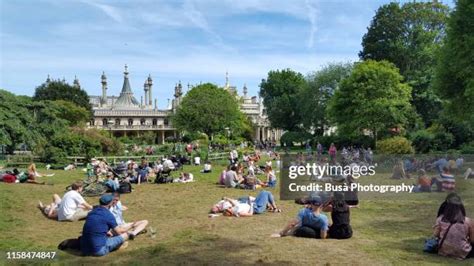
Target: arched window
(142, 121)
(155, 122)
(130, 122)
(117, 122)
(165, 122)
(105, 122)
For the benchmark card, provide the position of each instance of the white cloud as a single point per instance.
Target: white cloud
(110, 11)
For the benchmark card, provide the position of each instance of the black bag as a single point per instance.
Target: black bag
(125, 187)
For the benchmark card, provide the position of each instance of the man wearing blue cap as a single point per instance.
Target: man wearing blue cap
(95, 240)
(310, 222)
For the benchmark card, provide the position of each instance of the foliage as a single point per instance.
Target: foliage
(455, 71)
(289, 138)
(422, 140)
(209, 109)
(371, 98)
(281, 93)
(315, 96)
(395, 145)
(468, 148)
(60, 90)
(409, 36)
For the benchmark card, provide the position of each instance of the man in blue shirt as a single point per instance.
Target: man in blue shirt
(95, 240)
(310, 222)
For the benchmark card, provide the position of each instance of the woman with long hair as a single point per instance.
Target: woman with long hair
(453, 229)
(340, 216)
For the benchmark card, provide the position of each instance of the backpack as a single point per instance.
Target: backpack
(125, 187)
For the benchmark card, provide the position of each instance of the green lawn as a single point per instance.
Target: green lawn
(388, 229)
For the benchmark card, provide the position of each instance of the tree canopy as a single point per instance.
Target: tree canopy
(315, 96)
(372, 98)
(209, 109)
(409, 36)
(281, 93)
(60, 90)
(455, 71)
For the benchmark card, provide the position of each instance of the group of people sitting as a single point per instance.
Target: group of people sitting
(239, 176)
(104, 230)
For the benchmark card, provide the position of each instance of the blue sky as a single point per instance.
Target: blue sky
(191, 41)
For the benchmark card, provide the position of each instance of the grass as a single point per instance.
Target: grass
(388, 229)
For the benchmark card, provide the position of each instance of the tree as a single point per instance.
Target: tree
(208, 109)
(455, 71)
(281, 93)
(409, 36)
(315, 96)
(372, 98)
(60, 90)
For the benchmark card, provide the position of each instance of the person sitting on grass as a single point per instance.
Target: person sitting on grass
(33, 175)
(51, 210)
(207, 167)
(96, 239)
(250, 206)
(231, 178)
(111, 183)
(445, 182)
(340, 216)
(73, 206)
(454, 230)
(184, 178)
(310, 222)
(117, 211)
(424, 182)
(271, 177)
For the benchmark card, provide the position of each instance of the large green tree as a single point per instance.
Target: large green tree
(208, 109)
(455, 71)
(281, 93)
(315, 96)
(373, 98)
(60, 90)
(409, 36)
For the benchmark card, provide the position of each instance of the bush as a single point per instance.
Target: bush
(422, 140)
(292, 137)
(395, 145)
(467, 148)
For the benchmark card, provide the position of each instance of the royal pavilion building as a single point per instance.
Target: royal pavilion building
(126, 116)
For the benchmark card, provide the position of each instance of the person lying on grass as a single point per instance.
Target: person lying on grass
(260, 204)
(310, 222)
(454, 230)
(73, 206)
(184, 178)
(96, 239)
(51, 210)
(117, 211)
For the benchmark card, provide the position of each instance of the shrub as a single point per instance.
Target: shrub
(422, 140)
(291, 137)
(467, 148)
(395, 145)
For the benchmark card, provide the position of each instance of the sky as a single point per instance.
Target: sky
(175, 40)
